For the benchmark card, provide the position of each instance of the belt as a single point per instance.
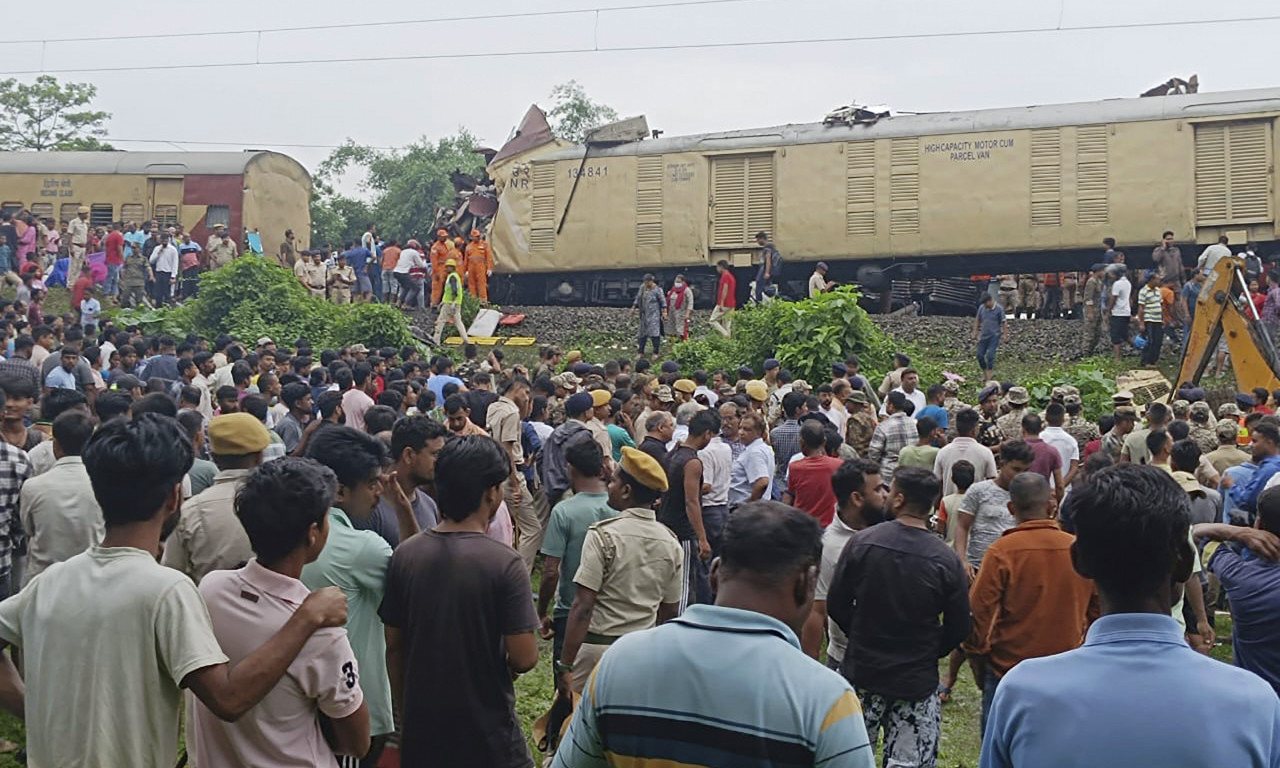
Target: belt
(595, 639)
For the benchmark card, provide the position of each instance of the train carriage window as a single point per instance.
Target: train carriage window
(42, 211)
(166, 215)
(11, 208)
(217, 214)
(132, 212)
(100, 214)
(68, 211)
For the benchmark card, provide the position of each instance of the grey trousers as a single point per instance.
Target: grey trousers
(911, 728)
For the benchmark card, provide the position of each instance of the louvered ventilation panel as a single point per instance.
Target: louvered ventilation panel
(860, 188)
(1092, 204)
(542, 218)
(742, 199)
(1211, 174)
(649, 201)
(904, 187)
(1249, 147)
(1046, 178)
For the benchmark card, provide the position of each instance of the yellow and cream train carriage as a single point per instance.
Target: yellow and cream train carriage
(1029, 189)
(246, 191)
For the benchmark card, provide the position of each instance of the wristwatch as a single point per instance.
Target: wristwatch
(561, 668)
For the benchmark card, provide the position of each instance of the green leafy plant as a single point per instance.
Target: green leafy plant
(805, 336)
(251, 297)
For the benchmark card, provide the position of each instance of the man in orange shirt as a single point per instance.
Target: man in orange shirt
(479, 267)
(1027, 601)
(439, 255)
(390, 255)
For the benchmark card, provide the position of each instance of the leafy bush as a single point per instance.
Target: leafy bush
(251, 297)
(1095, 387)
(805, 336)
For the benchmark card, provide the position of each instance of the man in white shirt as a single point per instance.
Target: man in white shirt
(284, 506)
(910, 388)
(1067, 446)
(1210, 257)
(700, 378)
(860, 503)
(965, 447)
(1120, 308)
(164, 265)
(145, 626)
(717, 466)
(818, 282)
(59, 513)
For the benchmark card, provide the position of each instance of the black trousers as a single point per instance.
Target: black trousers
(162, 288)
(1155, 339)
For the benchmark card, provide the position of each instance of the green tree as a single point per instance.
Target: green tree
(405, 186)
(48, 115)
(336, 218)
(575, 115)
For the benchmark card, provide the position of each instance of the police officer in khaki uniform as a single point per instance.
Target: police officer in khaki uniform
(209, 536)
(220, 248)
(78, 237)
(630, 575)
(1093, 315)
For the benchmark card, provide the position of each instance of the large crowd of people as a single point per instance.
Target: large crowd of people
(312, 553)
(319, 552)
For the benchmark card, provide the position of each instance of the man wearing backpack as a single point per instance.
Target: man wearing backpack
(770, 265)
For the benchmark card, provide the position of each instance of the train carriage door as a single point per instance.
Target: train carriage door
(165, 198)
(742, 200)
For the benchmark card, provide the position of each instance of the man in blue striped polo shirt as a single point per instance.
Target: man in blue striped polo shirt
(727, 684)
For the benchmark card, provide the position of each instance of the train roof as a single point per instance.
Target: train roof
(1188, 106)
(137, 163)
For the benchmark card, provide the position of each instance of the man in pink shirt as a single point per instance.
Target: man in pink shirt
(284, 508)
(809, 479)
(1048, 462)
(357, 399)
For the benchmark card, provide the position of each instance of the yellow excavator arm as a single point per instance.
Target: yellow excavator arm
(1225, 310)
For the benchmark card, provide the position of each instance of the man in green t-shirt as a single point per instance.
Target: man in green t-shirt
(562, 544)
(924, 451)
(450, 309)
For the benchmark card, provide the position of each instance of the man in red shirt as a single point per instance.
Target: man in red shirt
(82, 284)
(809, 479)
(115, 260)
(726, 300)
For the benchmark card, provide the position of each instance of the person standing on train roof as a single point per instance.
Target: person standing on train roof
(78, 237)
(770, 264)
(726, 300)
(439, 254)
(479, 266)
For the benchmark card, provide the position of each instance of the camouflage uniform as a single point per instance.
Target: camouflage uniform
(1010, 424)
(1112, 444)
(989, 432)
(1204, 438)
(1028, 295)
(953, 406)
(861, 426)
(555, 412)
(1083, 430)
(467, 370)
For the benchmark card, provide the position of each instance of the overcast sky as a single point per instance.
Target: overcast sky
(681, 91)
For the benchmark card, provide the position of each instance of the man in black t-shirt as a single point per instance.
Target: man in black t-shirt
(681, 508)
(460, 621)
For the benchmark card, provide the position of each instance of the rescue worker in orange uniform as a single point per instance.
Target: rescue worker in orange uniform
(439, 254)
(479, 267)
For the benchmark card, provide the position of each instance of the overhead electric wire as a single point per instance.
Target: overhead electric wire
(659, 47)
(402, 22)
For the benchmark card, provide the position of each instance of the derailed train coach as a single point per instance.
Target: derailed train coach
(904, 197)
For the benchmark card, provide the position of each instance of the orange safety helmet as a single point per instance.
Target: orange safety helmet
(475, 234)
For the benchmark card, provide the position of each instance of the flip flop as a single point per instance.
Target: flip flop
(944, 693)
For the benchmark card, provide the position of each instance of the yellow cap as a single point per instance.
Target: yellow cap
(644, 468)
(236, 434)
(684, 385)
(600, 397)
(573, 356)
(757, 390)
(451, 262)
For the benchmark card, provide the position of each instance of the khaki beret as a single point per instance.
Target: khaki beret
(684, 385)
(600, 397)
(757, 390)
(644, 468)
(237, 434)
